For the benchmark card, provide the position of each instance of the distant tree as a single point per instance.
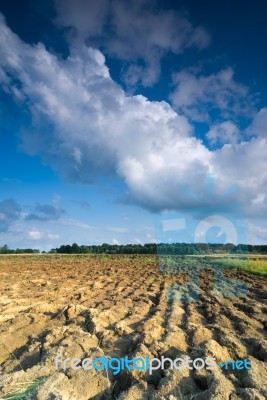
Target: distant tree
(4, 249)
(75, 248)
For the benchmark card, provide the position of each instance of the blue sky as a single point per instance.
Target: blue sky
(116, 117)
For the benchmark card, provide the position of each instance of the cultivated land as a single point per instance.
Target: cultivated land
(94, 305)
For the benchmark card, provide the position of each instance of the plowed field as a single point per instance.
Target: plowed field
(89, 306)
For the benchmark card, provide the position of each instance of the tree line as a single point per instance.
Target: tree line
(6, 250)
(148, 248)
(162, 248)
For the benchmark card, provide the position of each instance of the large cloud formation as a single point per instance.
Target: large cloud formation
(85, 126)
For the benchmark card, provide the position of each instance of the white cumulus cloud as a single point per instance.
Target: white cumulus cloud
(36, 235)
(197, 95)
(224, 132)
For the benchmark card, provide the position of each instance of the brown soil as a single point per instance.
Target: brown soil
(88, 306)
